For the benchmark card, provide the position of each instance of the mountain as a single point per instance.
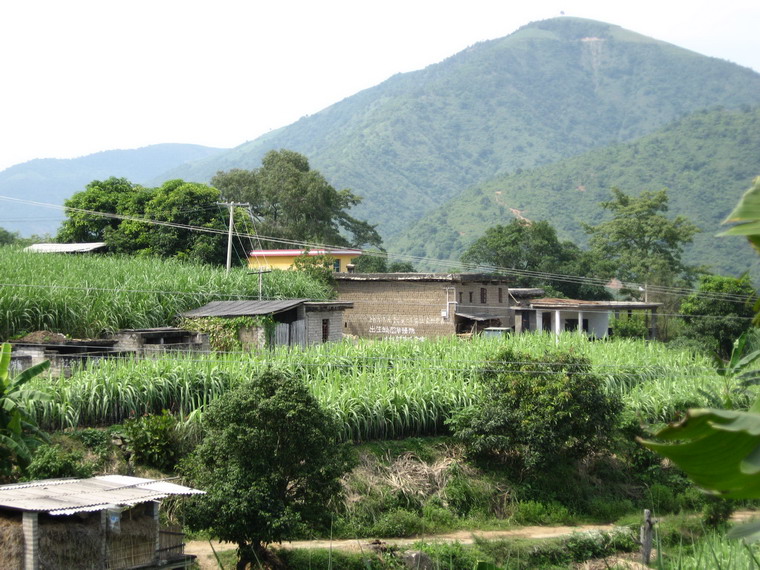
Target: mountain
(706, 161)
(52, 180)
(551, 90)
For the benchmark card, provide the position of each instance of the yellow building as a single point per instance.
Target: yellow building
(266, 259)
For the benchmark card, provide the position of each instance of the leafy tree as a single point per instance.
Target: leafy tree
(719, 311)
(8, 238)
(293, 202)
(19, 434)
(186, 205)
(269, 464)
(318, 267)
(377, 262)
(640, 244)
(532, 251)
(105, 196)
(538, 410)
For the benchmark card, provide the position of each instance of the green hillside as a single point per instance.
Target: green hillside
(553, 89)
(52, 180)
(706, 160)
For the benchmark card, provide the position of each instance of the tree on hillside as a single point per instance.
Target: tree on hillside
(293, 202)
(269, 464)
(532, 252)
(719, 311)
(640, 244)
(199, 233)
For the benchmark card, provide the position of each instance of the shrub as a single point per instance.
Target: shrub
(536, 411)
(398, 523)
(630, 326)
(54, 462)
(534, 512)
(152, 440)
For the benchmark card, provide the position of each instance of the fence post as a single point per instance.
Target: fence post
(645, 537)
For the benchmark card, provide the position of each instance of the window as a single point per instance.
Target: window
(470, 296)
(336, 266)
(501, 295)
(483, 295)
(325, 330)
(460, 297)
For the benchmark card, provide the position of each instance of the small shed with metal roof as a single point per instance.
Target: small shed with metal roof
(297, 322)
(66, 247)
(109, 521)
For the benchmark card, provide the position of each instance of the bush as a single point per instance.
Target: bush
(54, 462)
(533, 512)
(630, 326)
(398, 523)
(536, 411)
(152, 440)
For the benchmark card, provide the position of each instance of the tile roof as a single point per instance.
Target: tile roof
(243, 308)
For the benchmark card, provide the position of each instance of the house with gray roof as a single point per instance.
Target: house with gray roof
(297, 322)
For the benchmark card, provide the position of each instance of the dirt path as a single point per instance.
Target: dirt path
(207, 561)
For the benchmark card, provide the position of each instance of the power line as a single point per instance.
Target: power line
(489, 268)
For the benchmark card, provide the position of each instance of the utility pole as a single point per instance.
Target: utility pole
(231, 206)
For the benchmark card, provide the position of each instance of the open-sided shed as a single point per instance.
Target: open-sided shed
(102, 522)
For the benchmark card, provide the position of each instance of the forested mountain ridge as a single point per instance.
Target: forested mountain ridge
(52, 180)
(553, 89)
(706, 161)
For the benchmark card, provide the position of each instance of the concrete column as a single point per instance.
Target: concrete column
(653, 333)
(557, 322)
(580, 322)
(539, 321)
(31, 529)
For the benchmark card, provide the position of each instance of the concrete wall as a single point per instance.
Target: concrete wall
(314, 325)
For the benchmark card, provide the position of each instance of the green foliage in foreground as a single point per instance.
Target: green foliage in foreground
(19, 433)
(84, 296)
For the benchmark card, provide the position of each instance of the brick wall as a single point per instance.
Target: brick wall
(415, 309)
(314, 325)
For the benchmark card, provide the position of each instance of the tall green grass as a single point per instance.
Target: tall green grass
(376, 389)
(85, 296)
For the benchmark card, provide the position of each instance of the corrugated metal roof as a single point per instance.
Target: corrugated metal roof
(243, 308)
(70, 496)
(65, 247)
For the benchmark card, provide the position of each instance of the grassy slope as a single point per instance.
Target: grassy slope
(706, 160)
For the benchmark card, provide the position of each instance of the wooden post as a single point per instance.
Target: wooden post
(645, 537)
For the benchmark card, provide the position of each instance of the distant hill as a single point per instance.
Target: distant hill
(706, 161)
(52, 180)
(551, 90)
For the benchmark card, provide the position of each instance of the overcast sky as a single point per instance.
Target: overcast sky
(81, 76)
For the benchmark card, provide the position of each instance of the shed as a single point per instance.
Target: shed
(66, 247)
(109, 521)
(298, 322)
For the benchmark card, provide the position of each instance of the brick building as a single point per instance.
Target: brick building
(424, 305)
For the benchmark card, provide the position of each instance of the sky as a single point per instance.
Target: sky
(82, 76)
